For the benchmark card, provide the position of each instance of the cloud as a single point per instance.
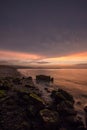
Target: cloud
(18, 55)
(43, 62)
(10, 57)
(69, 59)
(18, 58)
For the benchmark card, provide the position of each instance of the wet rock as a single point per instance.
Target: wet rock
(24, 126)
(17, 81)
(35, 104)
(61, 95)
(50, 119)
(43, 78)
(85, 109)
(30, 78)
(5, 85)
(36, 100)
(2, 93)
(65, 110)
(78, 103)
(47, 90)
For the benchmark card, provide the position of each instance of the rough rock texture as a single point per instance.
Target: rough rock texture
(23, 108)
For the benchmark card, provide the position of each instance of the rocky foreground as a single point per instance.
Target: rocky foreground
(22, 107)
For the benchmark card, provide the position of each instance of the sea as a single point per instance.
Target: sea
(72, 80)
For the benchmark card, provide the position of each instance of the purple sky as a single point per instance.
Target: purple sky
(49, 28)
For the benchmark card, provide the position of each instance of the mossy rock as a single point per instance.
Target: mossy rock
(61, 95)
(50, 118)
(67, 95)
(5, 85)
(36, 98)
(24, 126)
(35, 104)
(2, 93)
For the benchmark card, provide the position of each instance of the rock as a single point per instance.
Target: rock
(36, 103)
(50, 118)
(43, 78)
(78, 103)
(61, 95)
(30, 78)
(47, 90)
(17, 81)
(65, 110)
(24, 126)
(2, 93)
(5, 86)
(85, 109)
(75, 122)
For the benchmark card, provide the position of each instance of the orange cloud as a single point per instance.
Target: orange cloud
(28, 58)
(18, 55)
(69, 59)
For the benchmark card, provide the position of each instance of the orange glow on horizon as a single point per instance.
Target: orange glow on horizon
(26, 57)
(69, 59)
(18, 55)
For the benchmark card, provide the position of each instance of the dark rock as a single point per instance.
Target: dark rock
(65, 110)
(30, 78)
(36, 103)
(17, 81)
(78, 103)
(35, 99)
(85, 108)
(2, 93)
(24, 126)
(43, 78)
(47, 90)
(75, 122)
(50, 119)
(5, 86)
(61, 95)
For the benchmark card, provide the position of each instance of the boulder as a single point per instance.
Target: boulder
(65, 110)
(2, 93)
(36, 103)
(61, 95)
(85, 109)
(50, 119)
(43, 78)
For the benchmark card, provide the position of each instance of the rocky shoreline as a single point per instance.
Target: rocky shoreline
(23, 107)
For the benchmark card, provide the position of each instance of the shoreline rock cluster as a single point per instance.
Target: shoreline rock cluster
(23, 108)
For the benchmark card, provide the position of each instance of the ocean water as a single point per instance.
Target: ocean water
(72, 80)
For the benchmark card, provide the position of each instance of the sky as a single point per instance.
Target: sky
(43, 32)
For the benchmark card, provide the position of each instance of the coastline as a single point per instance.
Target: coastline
(20, 95)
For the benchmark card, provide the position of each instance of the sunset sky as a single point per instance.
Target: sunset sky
(43, 32)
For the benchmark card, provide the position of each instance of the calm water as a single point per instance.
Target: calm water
(74, 80)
